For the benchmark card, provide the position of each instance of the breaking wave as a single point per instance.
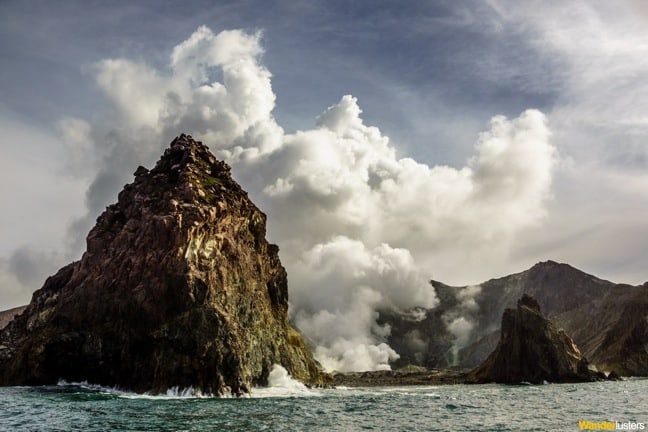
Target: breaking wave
(281, 384)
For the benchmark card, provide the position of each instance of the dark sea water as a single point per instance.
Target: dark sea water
(78, 407)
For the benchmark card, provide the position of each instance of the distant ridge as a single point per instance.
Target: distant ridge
(608, 321)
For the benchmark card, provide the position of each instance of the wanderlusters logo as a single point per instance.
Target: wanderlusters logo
(609, 425)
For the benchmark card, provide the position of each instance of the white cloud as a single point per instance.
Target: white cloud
(602, 50)
(461, 328)
(347, 339)
(134, 88)
(337, 289)
(600, 123)
(466, 297)
(359, 228)
(460, 320)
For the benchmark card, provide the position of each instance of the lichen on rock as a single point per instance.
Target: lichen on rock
(178, 287)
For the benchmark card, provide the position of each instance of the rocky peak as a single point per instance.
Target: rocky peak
(532, 349)
(528, 302)
(196, 174)
(178, 287)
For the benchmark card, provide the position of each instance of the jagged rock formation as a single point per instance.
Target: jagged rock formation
(608, 321)
(532, 349)
(178, 287)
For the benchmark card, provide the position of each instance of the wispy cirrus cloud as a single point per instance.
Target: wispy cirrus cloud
(600, 123)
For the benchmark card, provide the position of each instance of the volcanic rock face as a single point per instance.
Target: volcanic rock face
(178, 287)
(532, 349)
(608, 321)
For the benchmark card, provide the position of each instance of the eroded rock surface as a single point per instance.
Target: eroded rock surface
(608, 321)
(178, 287)
(532, 349)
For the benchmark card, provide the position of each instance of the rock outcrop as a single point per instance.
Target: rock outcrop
(608, 321)
(531, 349)
(178, 287)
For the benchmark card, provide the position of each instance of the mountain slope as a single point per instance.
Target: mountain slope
(607, 321)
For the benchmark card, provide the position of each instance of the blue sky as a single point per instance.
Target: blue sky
(430, 75)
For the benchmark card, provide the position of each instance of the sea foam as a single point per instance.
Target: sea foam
(281, 384)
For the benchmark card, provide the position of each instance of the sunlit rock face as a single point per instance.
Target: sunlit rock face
(178, 287)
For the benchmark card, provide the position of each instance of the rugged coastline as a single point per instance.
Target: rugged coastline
(178, 287)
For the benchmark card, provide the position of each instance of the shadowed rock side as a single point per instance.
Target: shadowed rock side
(531, 349)
(608, 321)
(178, 287)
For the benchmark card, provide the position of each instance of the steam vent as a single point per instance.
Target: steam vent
(178, 287)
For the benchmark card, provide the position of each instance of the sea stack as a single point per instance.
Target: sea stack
(531, 349)
(178, 288)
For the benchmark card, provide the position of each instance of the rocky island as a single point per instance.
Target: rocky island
(178, 288)
(532, 349)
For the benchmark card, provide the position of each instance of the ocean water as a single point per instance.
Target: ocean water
(555, 407)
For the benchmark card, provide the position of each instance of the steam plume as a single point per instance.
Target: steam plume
(359, 229)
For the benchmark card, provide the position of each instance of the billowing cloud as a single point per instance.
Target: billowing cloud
(360, 229)
(460, 328)
(344, 178)
(337, 289)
